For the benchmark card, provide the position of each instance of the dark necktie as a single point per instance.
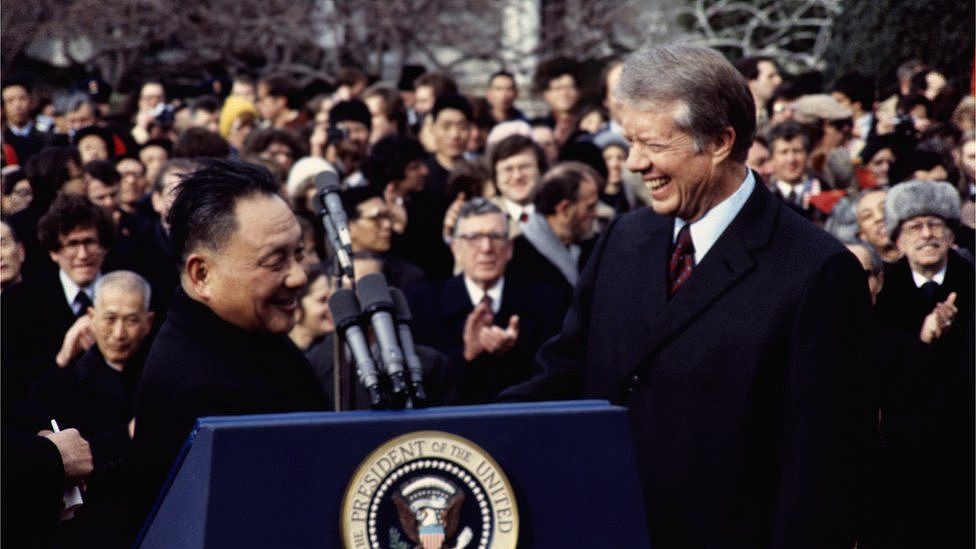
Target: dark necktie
(486, 299)
(682, 260)
(82, 303)
(523, 218)
(931, 292)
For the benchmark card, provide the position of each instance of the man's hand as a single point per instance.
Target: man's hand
(75, 454)
(398, 213)
(479, 319)
(76, 341)
(939, 320)
(497, 341)
(450, 218)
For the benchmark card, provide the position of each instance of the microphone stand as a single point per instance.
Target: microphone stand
(343, 393)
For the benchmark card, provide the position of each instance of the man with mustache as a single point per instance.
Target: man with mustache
(223, 348)
(925, 492)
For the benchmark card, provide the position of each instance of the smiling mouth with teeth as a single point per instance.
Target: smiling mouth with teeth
(657, 183)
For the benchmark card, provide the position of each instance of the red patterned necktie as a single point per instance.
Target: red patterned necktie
(682, 260)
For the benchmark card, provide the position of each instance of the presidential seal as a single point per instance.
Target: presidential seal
(429, 490)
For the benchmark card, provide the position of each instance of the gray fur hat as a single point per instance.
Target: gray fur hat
(916, 197)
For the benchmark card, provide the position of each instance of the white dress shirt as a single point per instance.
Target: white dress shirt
(710, 227)
(476, 293)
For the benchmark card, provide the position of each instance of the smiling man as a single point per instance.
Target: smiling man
(925, 495)
(223, 348)
(707, 316)
(489, 325)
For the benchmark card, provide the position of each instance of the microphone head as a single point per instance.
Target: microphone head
(401, 310)
(374, 293)
(345, 308)
(327, 182)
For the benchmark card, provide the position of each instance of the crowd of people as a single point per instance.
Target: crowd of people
(485, 218)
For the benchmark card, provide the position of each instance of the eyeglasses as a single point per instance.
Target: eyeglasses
(477, 238)
(378, 217)
(72, 247)
(914, 228)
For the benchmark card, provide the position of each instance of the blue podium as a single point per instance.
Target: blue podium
(557, 474)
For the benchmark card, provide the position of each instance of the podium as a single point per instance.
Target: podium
(555, 474)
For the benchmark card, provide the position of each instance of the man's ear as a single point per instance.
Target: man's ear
(722, 145)
(197, 272)
(562, 206)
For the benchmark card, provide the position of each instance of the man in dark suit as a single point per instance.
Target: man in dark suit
(489, 325)
(223, 348)
(706, 318)
(19, 131)
(557, 239)
(40, 314)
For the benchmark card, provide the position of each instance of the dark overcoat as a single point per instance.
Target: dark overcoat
(746, 391)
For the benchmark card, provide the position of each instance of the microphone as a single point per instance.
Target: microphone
(346, 313)
(377, 304)
(345, 262)
(327, 184)
(401, 312)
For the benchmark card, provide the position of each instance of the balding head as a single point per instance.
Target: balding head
(120, 316)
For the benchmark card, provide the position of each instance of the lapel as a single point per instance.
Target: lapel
(455, 301)
(729, 259)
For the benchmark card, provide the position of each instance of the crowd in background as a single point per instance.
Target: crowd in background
(484, 216)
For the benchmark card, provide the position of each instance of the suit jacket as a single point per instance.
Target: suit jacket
(439, 314)
(36, 316)
(200, 365)
(28, 145)
(750, 417)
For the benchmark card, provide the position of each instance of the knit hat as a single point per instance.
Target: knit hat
(914, 198)
(819, 106)
(234, 107)
(353, 110)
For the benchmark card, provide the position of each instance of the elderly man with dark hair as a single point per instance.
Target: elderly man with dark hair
(239, 248)
(706, 316)
(488, 324)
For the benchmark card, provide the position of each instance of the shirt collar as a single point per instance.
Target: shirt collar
(938, 277)
(476, 293)
(71, 289)
(515, 210)
(706, 231)
(22, 132)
